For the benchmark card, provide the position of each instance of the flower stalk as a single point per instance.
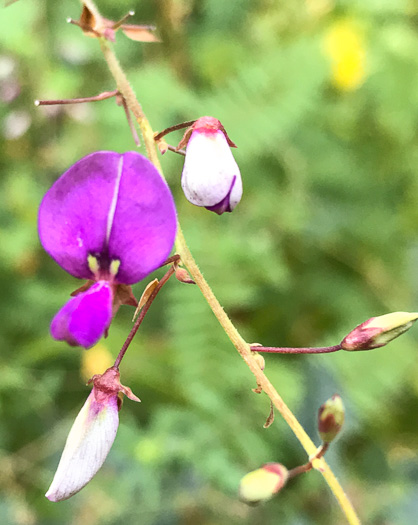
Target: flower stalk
(310, 464)
(166, 131)
(303, 350)
(141, 316)
(101, 96)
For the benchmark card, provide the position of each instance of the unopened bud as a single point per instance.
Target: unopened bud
(183, 276)
(259, 359)
(331, 418)
(211, 177)
(262, 484)
(378, 331)
(162, 146)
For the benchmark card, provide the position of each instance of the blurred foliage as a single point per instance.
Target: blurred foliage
(321, 98)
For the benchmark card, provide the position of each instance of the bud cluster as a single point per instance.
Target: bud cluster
(260, 485)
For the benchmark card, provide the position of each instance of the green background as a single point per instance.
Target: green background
(324, 238)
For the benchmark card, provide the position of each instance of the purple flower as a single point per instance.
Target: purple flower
(109, 219)
(211, 177)
(91, 436)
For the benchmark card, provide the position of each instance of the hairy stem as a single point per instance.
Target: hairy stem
(128, 94)
(188, 260)
(130, 123)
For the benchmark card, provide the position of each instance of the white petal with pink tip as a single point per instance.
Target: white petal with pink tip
(209, 170)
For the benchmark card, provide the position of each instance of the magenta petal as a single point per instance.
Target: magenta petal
(85, 318)
(73, 214)
(145, 221)
(111, 206)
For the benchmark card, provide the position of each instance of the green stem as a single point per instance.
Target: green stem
(243, 348)
(310, 465)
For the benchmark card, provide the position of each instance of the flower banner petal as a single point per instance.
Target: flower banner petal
(113, 207)
(73, 215)
(144, 223)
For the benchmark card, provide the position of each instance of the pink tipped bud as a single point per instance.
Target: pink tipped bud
(331, 418)
(91, 436)
(183, 276)
(262, 484)
(211, 177)
(378, 331)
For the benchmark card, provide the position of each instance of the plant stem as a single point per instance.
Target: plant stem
(141, 316)
(101, 96)
(173, 259)
(165, 131)
(175, 150)
(117, 24)
(128, 93)
(287, 350)
(309, 466)
(130, 123)
(181, 247)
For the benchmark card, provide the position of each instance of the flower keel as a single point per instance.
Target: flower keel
(86, 317)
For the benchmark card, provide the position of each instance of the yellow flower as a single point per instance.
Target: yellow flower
(95, 361)
(344, 45)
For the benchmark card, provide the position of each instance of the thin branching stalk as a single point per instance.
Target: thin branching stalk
(141, 316)
(301, 350)
(302, 469)
(97, 98)
(176, 127)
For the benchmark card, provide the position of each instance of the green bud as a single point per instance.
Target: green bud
(378, 331)
(331, 418)
(259, 359)
(261, 484)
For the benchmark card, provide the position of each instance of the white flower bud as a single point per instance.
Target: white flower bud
(211, 177)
